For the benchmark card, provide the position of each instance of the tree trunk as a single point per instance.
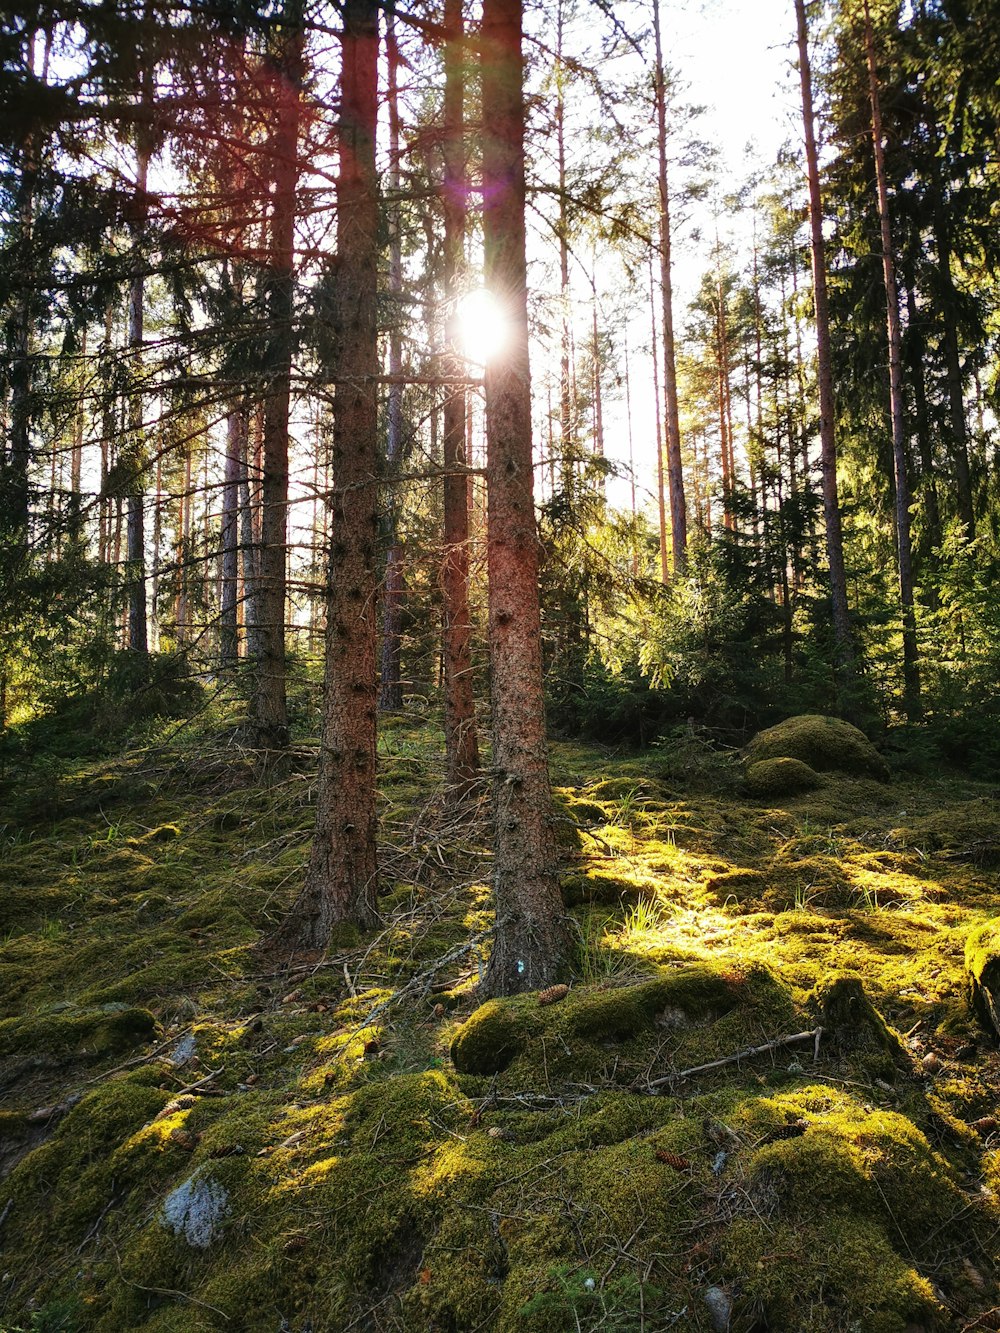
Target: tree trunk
(236, 426)
(270, 713)
(341, 882)
(531, 940)
(843, 640)
(911, 666)
(460, 738)
(675, 474)
(390, 695)
(661, 490)
(135, 539)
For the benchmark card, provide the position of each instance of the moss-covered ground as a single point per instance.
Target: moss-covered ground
(387, 1155)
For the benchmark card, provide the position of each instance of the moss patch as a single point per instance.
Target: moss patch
(780, 777)
(822, 743)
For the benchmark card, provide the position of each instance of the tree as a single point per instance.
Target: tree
(531, 941)
(461, 741)
(342, 878)
(911, 669)
(844, 647)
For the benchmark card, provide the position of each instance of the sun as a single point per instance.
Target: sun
(482, 327)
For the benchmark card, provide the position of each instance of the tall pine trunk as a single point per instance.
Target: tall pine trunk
(843, 640)
(675, 472)
(390, 696)
(531, 940)
(236, 427)
(341, 882)
(135, 538)
(270, 712)
(911, 664)
(461, 741)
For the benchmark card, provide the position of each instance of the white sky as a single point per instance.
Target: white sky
(735, 60)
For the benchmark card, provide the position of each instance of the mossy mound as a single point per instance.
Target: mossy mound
(858, 1208)
(967, 831)
(982, 963)
(597, 1029)
(85, 1034)
(825, 744)
(780, 777)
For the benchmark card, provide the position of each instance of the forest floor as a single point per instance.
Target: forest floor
(196, 1138)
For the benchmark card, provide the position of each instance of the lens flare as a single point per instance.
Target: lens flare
(481, 327)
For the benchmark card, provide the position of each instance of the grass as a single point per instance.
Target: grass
(376, 1181)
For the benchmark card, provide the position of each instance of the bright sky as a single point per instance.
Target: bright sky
(736, 61)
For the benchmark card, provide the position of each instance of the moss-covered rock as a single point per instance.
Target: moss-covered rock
(489, 1040)
(780, 777)
(91, 1033)
(982, 963)
(825, 744)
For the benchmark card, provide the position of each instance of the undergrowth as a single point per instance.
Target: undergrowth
(386, 1155)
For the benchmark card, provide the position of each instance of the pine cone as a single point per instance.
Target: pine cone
(552, 994)
(673, 1159)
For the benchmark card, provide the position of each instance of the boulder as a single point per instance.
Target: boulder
(825, 744)
(780, 777)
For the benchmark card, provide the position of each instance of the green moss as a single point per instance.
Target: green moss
(851, 1023)
(780, 777)
(823, 743)
(90, 1034)
(489, 1040)
(982, 963)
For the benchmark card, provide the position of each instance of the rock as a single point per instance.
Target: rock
(825, 744)
(720, 1308)
(196, 1210)
(780, 777)
(488, 1041)
(184, 1051)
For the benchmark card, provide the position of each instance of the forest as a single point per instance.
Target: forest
(499, 632)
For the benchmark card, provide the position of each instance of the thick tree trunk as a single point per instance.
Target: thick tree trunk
(911, 666)
(531, 941)
(675, 473)
(390, 694)
(843, 639)
(270, 712)
(460, 738)
(341, 882)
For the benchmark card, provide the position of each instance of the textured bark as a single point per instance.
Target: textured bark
(843, 639)
(236, 426)
(460, 738)
(390, 694)
(675, 474)
(135, 539)
(270, 712)
(341, 882)
(911, 665)
(661, 491)
(248, 552)
(531, 941)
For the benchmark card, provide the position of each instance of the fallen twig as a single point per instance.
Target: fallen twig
(812, 1035)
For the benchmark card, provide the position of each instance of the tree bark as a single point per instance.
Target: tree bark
(843, 639)
(390, 695)
(236, 426)
(135, 537)
(531, 940)
(341, 882)
(675, 473)
(460, 737)
(270, 711)
(911, 665)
